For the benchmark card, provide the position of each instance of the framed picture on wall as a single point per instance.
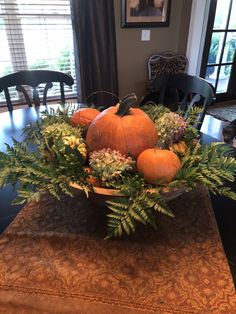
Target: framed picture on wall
(145, 13)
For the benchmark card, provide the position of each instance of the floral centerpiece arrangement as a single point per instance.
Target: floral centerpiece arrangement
(143, 153)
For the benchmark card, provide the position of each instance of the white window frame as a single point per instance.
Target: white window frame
(15, 44)
(196, 36)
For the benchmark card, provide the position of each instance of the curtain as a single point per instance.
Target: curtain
(95, 43)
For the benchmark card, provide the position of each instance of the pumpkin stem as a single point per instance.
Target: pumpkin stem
(126, 103)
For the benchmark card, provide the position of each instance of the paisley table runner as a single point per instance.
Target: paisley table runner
(54, 260)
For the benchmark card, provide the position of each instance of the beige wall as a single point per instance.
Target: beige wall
(132, 53)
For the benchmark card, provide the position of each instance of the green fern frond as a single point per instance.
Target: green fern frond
(55, 164)
(155, 111)
(138, 207)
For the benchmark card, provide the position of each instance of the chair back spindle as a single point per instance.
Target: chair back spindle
(186, 90)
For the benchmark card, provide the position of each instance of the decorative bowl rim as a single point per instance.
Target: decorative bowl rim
(167, 193)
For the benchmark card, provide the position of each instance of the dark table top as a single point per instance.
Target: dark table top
(11, 125)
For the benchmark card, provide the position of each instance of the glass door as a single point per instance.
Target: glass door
(218, 64)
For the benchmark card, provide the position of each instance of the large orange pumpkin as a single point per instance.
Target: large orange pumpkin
(157, 164)
(128, 130)
(84, 116)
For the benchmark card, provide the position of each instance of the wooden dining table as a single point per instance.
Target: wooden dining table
(53, 258)
(11, 126)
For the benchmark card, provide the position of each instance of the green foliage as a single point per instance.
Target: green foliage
(207, 165)
(191, 118)
(59, 115)
(37, 176)
(190, 135)
(51, 116)
(63, 62)
(155, 111)
(34, 174)
(139, 206)
(61, 158)
(191, 115)
(40, 65)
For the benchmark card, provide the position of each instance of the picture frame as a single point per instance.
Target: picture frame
(145, 13)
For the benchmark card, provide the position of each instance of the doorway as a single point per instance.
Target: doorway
(218, 65)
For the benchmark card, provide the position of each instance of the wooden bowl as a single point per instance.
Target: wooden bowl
(167, 193)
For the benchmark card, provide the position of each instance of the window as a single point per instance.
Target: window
(218, 65)
(37, 34)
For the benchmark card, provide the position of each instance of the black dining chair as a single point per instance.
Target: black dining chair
(27, 82)
(181, 91)
(166, 62)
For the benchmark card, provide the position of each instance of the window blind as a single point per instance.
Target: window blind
(37, 34)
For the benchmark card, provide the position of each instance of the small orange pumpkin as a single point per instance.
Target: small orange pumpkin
(91, 179)
(155, 163)
(84, 116)
(128, 130)
(179, 147)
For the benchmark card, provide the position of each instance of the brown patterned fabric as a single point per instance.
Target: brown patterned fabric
(54, 260)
